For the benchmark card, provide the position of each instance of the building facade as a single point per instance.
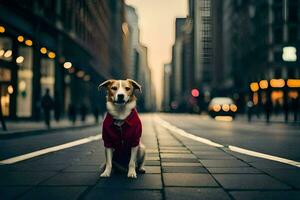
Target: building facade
(68, 47)
(262, 42)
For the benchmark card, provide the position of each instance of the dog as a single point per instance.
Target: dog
(122, 129)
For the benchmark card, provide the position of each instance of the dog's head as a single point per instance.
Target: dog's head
(120, 92)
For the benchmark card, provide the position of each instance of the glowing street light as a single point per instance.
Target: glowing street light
(43, 50)
(277, 83)
(51, 55)
(254, 86)
(2, 29)
(28, 42)
(20, 59)
(20, 38)
(289, 54)
(293, 83)
(8, 53)
(67, 65)
(10, 89)
(263, 84)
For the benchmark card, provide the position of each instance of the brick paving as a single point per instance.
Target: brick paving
(177, 168)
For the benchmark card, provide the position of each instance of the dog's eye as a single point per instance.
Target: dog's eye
(114, 88)
(127, 88)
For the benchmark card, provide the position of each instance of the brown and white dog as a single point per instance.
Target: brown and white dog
(122, 129)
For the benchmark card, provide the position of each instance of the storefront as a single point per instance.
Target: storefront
(280, 92)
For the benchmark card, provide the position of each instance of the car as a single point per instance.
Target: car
(222, 108)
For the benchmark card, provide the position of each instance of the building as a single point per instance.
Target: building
(167, 87)
(145, 100)
(262, 41)
(134, 41)
(68, 47)
(197, 61)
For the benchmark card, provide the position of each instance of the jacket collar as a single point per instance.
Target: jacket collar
(130, 119)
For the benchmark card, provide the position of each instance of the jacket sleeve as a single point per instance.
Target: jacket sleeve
(106, 138)
(138, 134)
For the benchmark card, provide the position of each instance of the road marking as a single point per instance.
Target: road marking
(263, 155)
(50, 150)
(183, 133)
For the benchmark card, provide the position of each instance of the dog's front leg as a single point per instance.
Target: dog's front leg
(108, 163)
(132, 163)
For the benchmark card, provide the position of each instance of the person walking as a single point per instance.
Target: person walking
(72, 113)
(295, 107)
(96, 114)
(83, 111)
(268, 109)
(47, 105)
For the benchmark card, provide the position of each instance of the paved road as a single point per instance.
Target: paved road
(177, 167)
(276, 139)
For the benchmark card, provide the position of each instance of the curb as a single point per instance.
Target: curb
(25, 133)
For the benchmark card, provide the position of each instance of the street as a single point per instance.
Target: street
(176, 167)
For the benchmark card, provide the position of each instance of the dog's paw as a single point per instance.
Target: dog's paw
(141, 170)
(105, 174)
(131, 173)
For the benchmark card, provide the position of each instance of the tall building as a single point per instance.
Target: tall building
(134, 40)
(167, 87)
(145, 99)
(262, 39)
(203, 52)
(67, 46)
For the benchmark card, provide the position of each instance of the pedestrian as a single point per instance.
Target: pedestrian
(249, 110)
(47, 105)
(268, 109)
(96, 114)
(295, 107)
(83, 111)
(286, 109)
(57, 110)
(72, 113)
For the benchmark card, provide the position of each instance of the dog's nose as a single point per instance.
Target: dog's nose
(121, 96)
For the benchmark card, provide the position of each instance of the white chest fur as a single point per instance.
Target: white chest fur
(120, 112)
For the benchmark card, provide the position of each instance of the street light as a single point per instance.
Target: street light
(289, 54)
(51, 55)
(254, 86)
(28, 42)
(277, 83)
(67, 65)
(293, 83)
(20, 38)
(20, 59)
(263, 84)
(43, 50)
(2, 29)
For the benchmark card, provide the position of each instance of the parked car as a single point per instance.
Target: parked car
(223, 107)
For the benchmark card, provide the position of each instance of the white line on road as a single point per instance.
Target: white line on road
(186, 134)
(50, 150)
(183, 133)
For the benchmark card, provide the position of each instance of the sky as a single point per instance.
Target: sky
(157, 32)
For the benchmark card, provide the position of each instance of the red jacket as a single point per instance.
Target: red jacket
(122, 138)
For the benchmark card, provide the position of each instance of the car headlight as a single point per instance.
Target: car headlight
(216, 108)
(233, 108)
(225, 107)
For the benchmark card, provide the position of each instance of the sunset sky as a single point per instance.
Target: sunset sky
(157, 26)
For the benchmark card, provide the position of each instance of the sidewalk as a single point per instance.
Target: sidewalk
(177, 168)
(20, 128)
(273, 119)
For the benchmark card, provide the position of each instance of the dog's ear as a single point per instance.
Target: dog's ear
(135, 85)
(105, 84)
